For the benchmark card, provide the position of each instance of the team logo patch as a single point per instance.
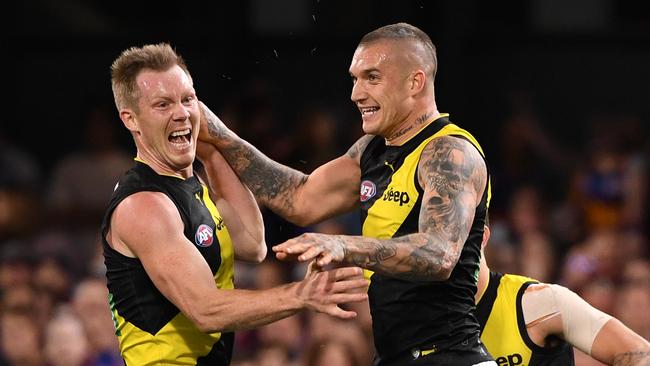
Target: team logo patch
(368, 190)
(204, 236)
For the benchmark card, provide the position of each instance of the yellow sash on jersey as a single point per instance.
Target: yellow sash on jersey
(385, 217)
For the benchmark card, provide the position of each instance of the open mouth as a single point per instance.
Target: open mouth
(181, 138)
(368, 111)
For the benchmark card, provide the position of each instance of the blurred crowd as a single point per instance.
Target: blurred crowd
(570, 212)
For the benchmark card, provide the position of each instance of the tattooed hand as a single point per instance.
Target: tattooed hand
(322, 248)
(211, 127)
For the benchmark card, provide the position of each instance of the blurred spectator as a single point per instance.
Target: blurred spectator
(322, 327)
(611, 188)
(598, 257)
(77, 197)
(66, 343)
(331, 351)
(527, 155)
(16, 265)
(600, 293)
(91, 306)
(20, 180)
(528, 220)
(51, 277)
(632, 304)
(273, 354)
(316, 141)
(286, 333)
(20, 338)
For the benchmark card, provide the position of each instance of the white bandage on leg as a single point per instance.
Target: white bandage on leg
(580, 321)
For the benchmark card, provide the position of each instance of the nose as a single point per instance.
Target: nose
(181, 112)
(358, 93)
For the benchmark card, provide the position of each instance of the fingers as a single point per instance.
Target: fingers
(350, 285)
(337, 312)
(313, 268)
(325, 259)
(345, 272)
(291, 246)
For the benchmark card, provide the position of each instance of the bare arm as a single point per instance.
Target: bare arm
(453, 176)
(288, 192)
(182, 275)
(618, 345)
(562, 313)
(236, 204)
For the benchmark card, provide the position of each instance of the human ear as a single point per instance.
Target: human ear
(418, 80)
(128, 119)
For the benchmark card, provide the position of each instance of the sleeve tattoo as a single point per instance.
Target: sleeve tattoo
(453, 176)
(272, 183)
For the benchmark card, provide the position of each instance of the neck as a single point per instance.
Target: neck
(411, 126)
(162, 169)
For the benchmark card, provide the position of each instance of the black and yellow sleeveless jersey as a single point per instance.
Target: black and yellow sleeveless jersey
(503, 330)
(150, 329)
(411, 314)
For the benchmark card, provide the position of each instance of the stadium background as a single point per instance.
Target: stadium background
(556, 92)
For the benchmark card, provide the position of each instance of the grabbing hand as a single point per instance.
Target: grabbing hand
(211, 127)
(323, 291)
(306, 247)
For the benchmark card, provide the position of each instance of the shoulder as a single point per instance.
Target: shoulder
(357, 149)
(145, 211)
(454, 161)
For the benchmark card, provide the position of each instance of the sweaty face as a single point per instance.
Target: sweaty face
(167, 120)
(380, 86)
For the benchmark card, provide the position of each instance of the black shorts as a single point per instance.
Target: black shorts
(470, 352)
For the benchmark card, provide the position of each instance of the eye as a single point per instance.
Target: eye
(353, 79)
(162, 105)
(373, 77)
(188, 100)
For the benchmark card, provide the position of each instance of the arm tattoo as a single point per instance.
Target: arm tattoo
(272, 183)
(632, 358)
(450, 171)
(357, 149)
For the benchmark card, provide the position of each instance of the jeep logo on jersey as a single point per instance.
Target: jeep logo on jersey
(368, 190)
(204, 236)
(511, 360)
(396, 196)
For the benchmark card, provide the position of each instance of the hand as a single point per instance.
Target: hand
(323, 291)
(313, 268)
(322, 247)
(204, 151)
(211, 126)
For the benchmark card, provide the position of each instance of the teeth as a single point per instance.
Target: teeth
(369, 110)
(181, 133)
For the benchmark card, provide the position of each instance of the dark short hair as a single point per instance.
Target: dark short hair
(404, 31)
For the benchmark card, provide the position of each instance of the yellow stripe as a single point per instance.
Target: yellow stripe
(385, 217)
(501, 335)
(223, 277)
(179, 342)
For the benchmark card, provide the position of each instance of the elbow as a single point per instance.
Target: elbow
(445, 270)
(252, 251)
(260, 253)
(203, 322)
(444, 274)
(204, 326)
(208, 323)
(301, 220)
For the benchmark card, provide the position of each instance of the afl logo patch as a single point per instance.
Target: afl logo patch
(368, 190)
(204, 236)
